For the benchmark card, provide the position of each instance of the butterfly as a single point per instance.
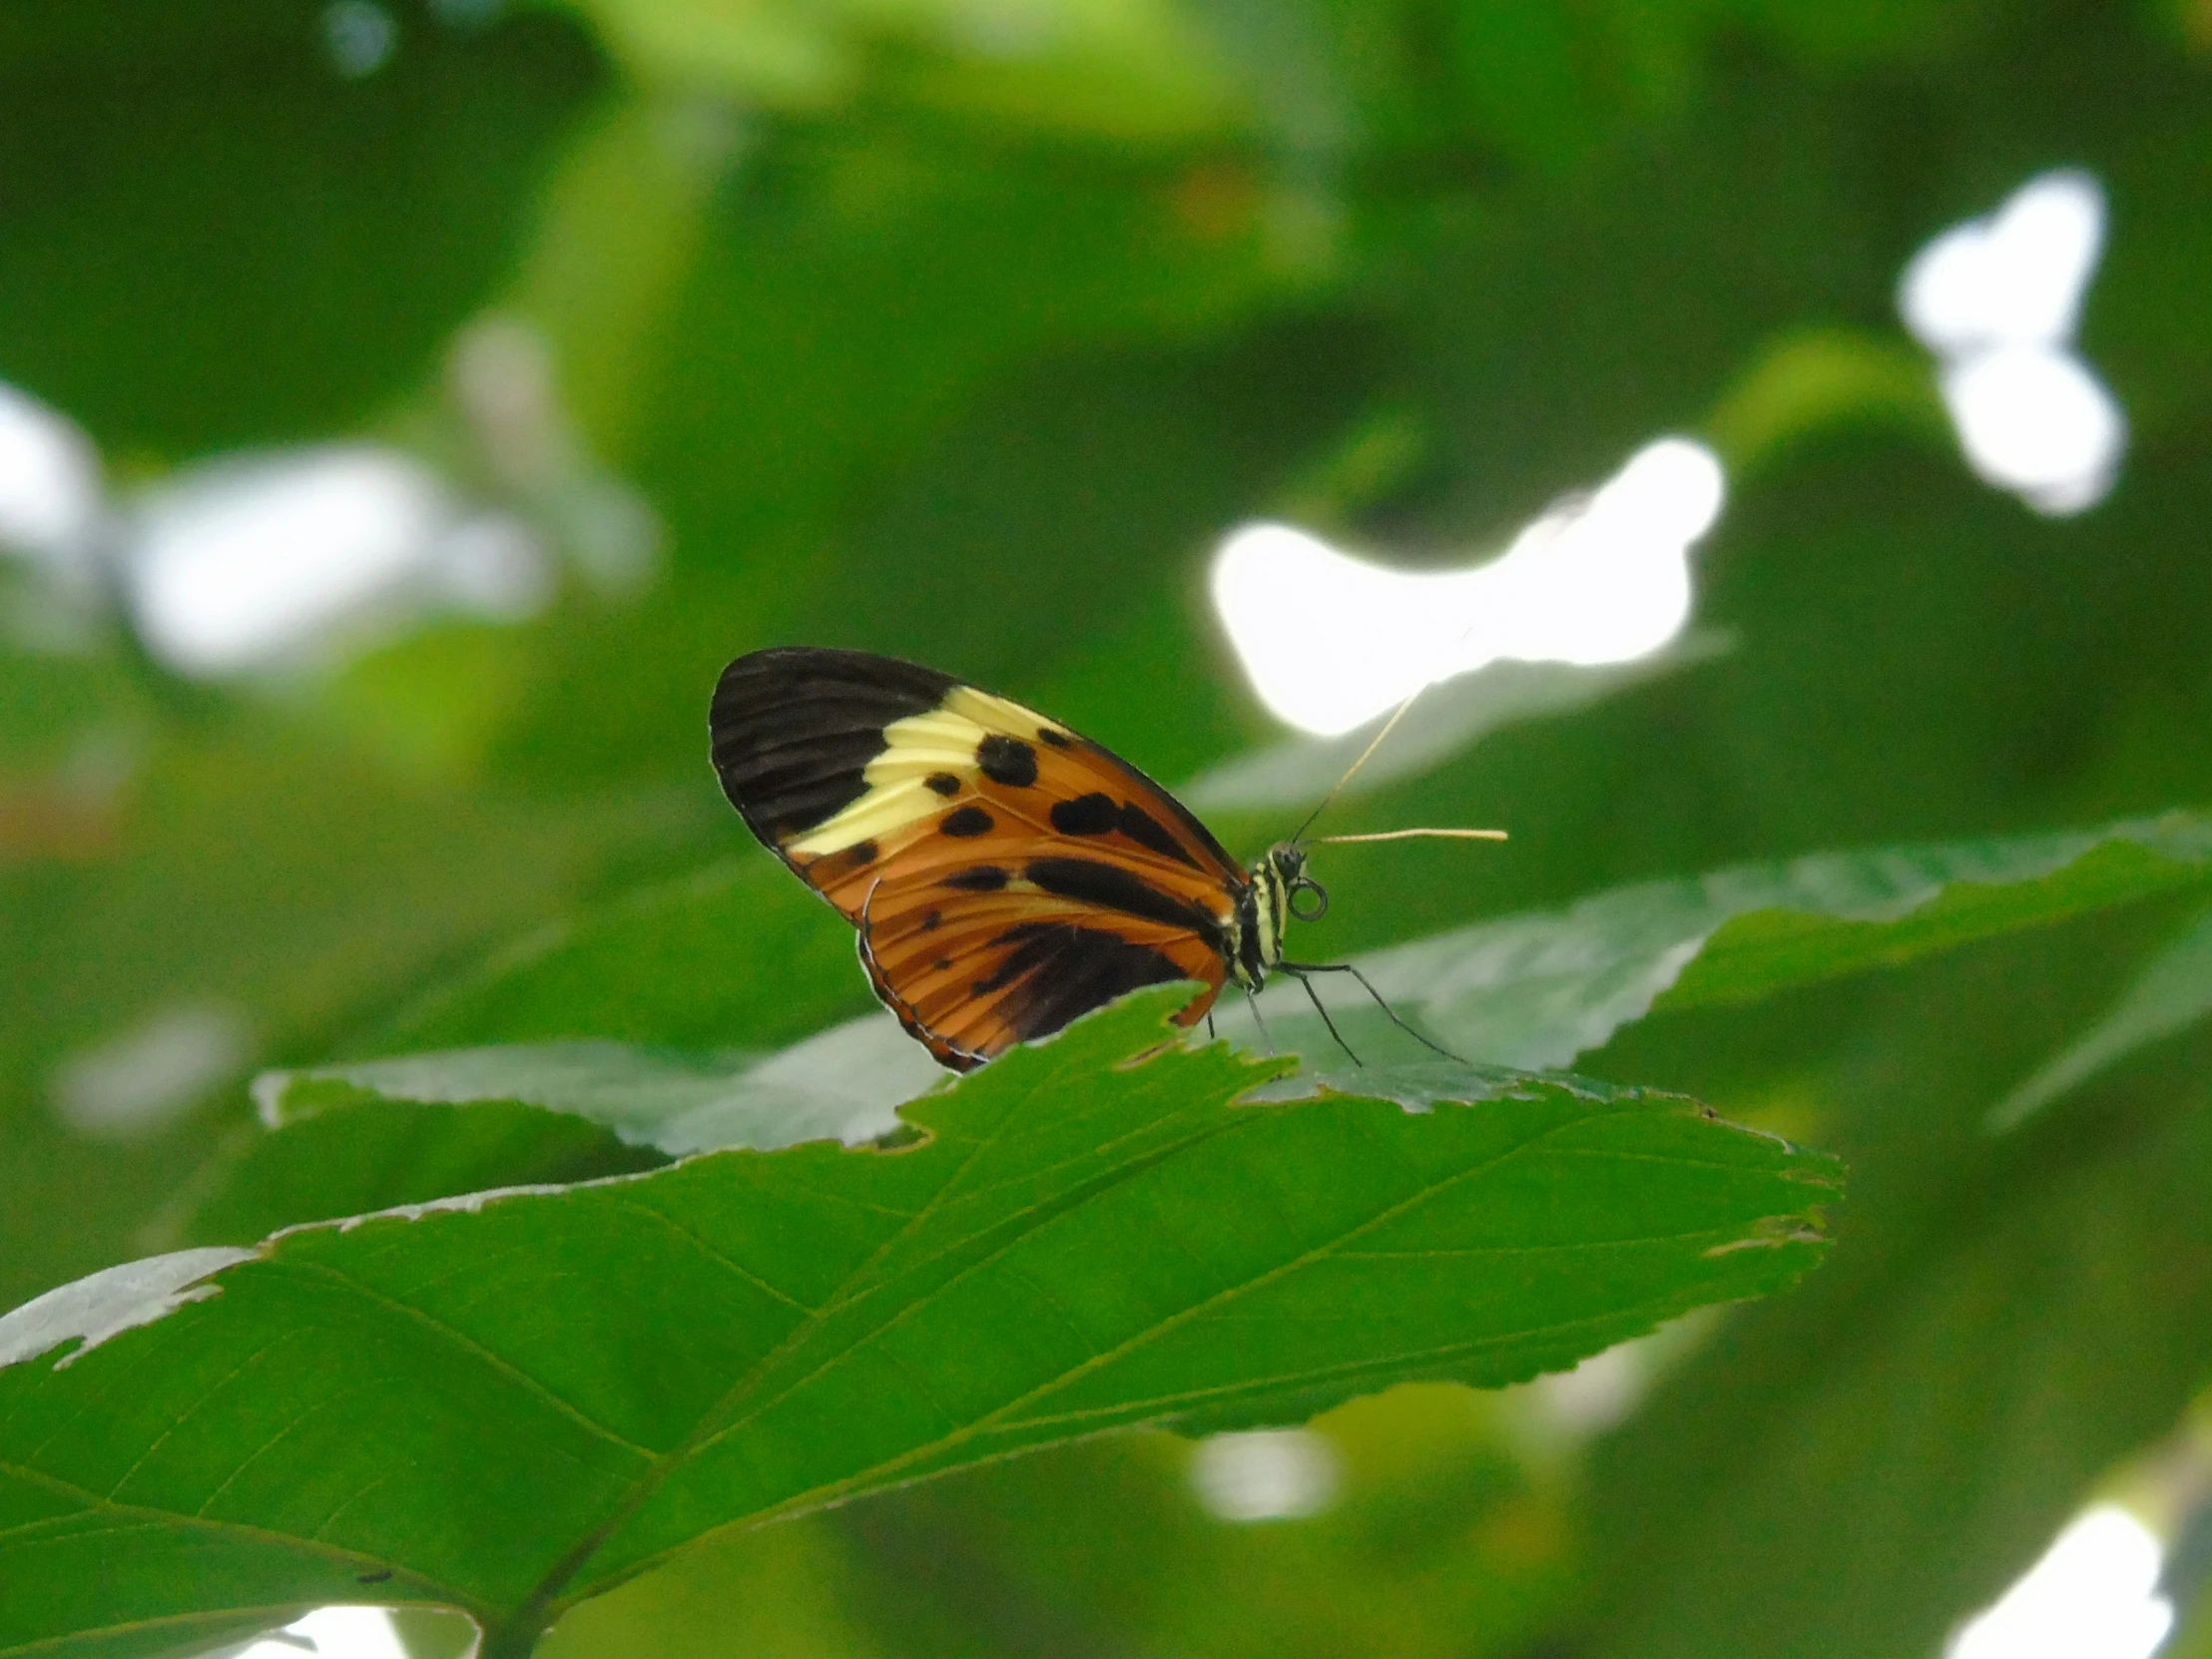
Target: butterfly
(1005, 874)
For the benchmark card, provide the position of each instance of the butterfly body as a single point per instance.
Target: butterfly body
(1004, 873)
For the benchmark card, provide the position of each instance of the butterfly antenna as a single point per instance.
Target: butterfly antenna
(1374, 744)
(1409, 834)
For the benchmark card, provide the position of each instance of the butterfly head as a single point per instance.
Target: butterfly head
(1278, 890)
(1303, 896)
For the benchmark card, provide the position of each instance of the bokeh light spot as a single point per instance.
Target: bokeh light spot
(2094, 1595)
(335, 1633)
(360, 37)
(49, 478)
(257, 560)
(143, 1077)
(1265, 1474)
(1330, 640)
(1997, 299)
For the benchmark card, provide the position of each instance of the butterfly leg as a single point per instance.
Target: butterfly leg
(1253, 1003)
(1304, 968)
(1314, 998)
(1210, 1025)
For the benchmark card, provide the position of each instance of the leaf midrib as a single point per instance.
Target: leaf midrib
(813, 1497)
(545, 1600)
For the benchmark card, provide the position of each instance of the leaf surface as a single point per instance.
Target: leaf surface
(841, 1084)
(514, 1401)
(2171, 993)
(1536, 990)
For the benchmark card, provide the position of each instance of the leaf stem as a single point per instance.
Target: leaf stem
(508, 1642)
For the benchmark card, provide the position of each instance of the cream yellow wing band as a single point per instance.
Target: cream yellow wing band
(947, 741)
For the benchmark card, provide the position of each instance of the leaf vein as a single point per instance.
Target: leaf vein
(462, 1339)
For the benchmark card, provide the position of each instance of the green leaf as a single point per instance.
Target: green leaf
(681, 963)
(513, 1402)
(290, 886)
(352, 1151)
(127, 312)
(372, 1134)
(1537, 990)
(1127, 71)
(841, 1084)
(2171, 993)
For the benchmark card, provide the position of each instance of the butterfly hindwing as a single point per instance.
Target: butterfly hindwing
(1009, 971)
(1006, 874)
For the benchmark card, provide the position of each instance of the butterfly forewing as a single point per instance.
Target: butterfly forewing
(1006, 874)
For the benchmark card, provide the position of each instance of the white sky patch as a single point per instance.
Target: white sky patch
(2037, 423)
(2015, 275)
(258, 560)
(1265, 1474)
(1998, 300)
(143, 1077)
(2094, 1595)
(503, 381)
(1599, 1393)
(49, 479)
(1330, 640)
(335, 1633)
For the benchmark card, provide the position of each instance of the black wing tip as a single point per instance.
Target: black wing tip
(797, 668)
(800, 694)
(764, 689)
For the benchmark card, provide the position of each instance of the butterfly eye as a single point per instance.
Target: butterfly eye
(1307, 888)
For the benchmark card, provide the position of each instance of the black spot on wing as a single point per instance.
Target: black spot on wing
(981, 878)
(943, 783)
(829, 869)
(1098, 813)
(1141, 825)
(969, 822)
(1086, 815)
(794, 727)
(1007, 760)
(933, 921)
(1146, 830)
(1112, 888)
(1057, 971)
(1057, 740)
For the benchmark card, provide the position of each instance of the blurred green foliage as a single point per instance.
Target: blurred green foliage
(964, 329)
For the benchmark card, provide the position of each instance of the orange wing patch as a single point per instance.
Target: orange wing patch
(1006, 876)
